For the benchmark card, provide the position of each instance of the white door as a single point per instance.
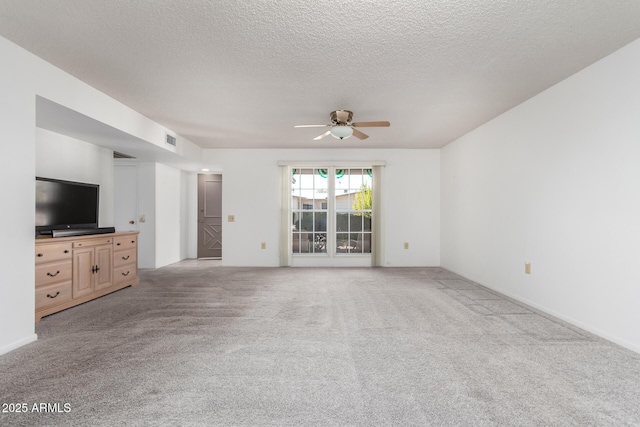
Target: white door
(125, 197)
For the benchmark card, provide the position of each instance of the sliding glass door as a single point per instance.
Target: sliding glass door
(331, 216)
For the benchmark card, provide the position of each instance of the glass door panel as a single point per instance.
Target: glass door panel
(309, 188)
(353, 200)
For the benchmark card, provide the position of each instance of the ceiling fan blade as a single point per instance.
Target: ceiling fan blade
(322, 136)
(359, 134)
(371, 124)
(311, 126)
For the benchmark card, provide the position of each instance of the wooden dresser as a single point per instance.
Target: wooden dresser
(73, 270)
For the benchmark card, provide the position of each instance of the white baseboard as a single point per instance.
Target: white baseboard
(587, 327)
(24, 341)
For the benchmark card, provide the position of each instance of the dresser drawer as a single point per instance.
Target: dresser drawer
(52, 252)
(125, 257)
(93, 242)
(124, 274)
(47, 296)
(123, 243)
(53, 272)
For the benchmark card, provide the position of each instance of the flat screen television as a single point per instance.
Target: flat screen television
(65, 205)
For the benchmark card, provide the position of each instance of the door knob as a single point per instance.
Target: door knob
(132, 222)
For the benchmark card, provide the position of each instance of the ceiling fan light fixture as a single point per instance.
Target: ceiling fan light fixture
(341, 132)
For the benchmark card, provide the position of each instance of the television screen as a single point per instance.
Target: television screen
(65, 205)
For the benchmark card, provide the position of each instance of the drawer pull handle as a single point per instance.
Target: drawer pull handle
(126, 257)
(54, 274)
(133, 241)
(118, 244)
(40, 255)
(53, 296)
(125, 274)
(66, 251)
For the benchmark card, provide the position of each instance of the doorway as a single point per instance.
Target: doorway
(210, 216)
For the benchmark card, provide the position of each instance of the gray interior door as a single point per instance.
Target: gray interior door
(209, 216)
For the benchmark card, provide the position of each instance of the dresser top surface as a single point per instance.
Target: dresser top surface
(49, 239)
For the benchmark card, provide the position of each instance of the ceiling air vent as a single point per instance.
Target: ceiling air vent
(117, 155)
(171, 140)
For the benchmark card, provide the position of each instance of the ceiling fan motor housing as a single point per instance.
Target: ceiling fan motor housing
(341, 117)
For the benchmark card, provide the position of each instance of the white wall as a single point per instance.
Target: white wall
(24, 76)
(147, 208)
(190, 218)
(186, 221)
(17, 172)
(251, 191)
(163, 200)
(168, 215)
(555, 182)
(61, 157)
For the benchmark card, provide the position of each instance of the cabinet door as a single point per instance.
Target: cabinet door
(104, 275)
(83, 275)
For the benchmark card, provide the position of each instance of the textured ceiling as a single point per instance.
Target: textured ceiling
(241, 74)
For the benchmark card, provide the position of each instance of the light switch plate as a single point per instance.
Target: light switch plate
(231, 218)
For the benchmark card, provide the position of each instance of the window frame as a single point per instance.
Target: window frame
(330, 248)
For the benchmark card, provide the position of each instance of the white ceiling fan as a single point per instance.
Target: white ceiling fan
(342, 126)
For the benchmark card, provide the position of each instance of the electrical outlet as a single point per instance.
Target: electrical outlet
(263, 245)
(406, 245)
(527, 267)
(231, 218)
